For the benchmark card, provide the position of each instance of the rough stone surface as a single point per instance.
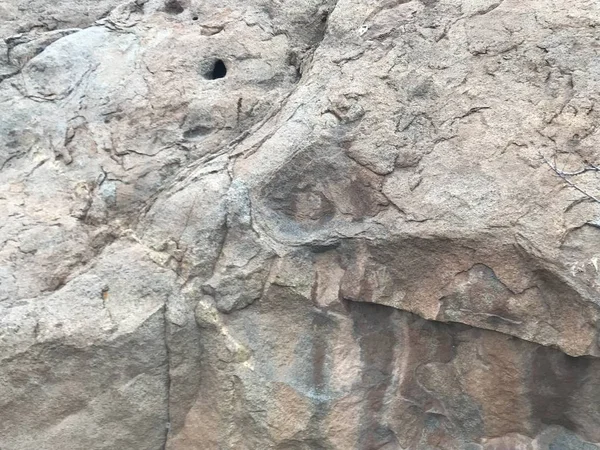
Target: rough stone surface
(378, 230)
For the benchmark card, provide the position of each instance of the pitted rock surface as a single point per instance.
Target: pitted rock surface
(298, 225)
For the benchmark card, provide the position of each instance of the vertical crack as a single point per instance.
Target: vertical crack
(166, 330)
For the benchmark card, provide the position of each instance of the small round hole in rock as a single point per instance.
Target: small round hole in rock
(195, 18)
(218, 70)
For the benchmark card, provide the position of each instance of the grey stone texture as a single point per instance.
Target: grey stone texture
(379, 229)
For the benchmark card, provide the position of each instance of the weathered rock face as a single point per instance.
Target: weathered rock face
(299, 225)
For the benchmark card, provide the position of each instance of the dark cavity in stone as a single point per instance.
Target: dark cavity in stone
(218, 70)
(173, 7)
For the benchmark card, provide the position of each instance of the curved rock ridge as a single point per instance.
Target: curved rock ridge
(298, 225)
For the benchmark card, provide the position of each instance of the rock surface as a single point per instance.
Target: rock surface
(299, 225)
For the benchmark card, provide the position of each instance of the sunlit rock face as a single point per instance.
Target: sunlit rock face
(299, 225)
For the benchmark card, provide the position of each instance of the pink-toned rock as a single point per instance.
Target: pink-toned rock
(328, 224)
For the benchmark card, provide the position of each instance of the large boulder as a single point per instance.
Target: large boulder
(299, 225)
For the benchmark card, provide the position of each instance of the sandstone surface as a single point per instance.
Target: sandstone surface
(298, 225)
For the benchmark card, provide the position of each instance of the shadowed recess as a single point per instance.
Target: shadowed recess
(173, 7)
(218, 70)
